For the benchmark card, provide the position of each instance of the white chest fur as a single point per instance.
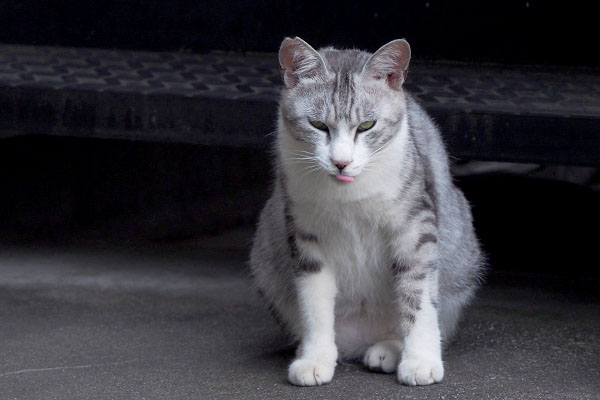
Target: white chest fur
(352, 243)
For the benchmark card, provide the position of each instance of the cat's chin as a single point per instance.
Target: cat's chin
(344, 178)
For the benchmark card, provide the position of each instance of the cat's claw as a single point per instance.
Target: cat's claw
(382, 357)
(415, 372)
(306, 372)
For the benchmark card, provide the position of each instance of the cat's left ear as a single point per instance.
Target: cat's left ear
(390, 62)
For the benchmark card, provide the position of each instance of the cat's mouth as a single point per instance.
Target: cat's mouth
(344, 178)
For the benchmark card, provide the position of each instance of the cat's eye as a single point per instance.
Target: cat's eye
(319, 125)
(365, 126)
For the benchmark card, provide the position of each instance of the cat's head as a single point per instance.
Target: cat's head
(341, 107)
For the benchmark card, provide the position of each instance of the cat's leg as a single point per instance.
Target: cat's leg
(416, 286)
(383, 356)
(317, 353)
(416, 289)
(421, 357)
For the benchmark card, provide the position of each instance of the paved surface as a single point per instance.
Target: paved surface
(486, 111)
(179, 322)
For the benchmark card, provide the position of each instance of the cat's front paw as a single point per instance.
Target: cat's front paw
(416, 371)
(383, 356)
(308, 372)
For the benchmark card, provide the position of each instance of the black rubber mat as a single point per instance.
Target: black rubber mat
(535, 114)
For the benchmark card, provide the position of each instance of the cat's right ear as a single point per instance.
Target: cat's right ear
(297, 60)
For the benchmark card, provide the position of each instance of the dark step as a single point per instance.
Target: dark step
(486, 111)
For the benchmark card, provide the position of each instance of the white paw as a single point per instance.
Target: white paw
(414, 372)
(383, 356)
(308, 372)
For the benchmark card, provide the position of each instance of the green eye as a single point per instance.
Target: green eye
(319, 125)
(365, 126)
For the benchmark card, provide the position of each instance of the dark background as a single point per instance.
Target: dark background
(124, 190)
(518, 32)
(61, 189)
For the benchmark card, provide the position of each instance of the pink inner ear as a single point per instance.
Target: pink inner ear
(391, 61)
(289, 55)
(298, 60)
(287, 58)
(288, 66)
(396, 79)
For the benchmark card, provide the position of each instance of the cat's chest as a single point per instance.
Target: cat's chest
(353, 243)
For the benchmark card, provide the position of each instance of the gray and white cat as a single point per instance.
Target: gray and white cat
(366, 249)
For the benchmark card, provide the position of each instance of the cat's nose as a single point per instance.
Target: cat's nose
(340, 164)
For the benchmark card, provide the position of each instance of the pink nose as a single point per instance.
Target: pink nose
(340, 164)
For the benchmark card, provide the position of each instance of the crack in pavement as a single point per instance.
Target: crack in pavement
(24, 371)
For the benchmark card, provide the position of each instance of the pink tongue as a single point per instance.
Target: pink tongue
(344, 178)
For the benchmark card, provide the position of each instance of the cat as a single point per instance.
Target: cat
(365, 249)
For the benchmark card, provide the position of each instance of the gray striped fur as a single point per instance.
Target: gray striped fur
(418, 242)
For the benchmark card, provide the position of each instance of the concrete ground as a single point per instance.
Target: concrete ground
(178, 321)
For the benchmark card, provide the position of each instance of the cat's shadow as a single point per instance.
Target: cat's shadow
(284, 353)
(278, 347)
